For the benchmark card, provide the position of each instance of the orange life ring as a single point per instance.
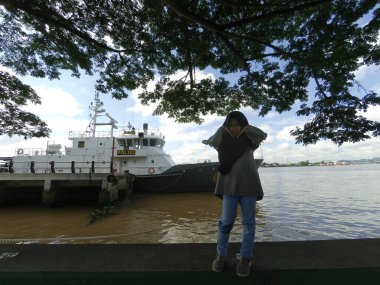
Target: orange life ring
(20, 151)
(150, 170)
(47, 170)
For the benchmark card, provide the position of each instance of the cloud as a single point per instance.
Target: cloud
(147, 110)
(365, 70)
(284, 134)
(64, 112)
(6, 69)
(373, 113)
(55, 102)
(287, 152)
(60, 110)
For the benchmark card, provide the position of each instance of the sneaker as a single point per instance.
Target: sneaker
(217, 265)
(243, 269)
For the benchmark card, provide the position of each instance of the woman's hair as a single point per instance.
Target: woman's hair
(237, 115)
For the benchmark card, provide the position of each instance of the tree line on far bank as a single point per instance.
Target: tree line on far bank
(375, 160)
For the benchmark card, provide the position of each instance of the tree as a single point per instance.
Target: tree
(276, 49)
(14, 121)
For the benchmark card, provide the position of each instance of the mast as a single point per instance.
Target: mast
(97, 111)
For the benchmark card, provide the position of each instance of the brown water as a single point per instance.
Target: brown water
(309, 203)
(164, 218)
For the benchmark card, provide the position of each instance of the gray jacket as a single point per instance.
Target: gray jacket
(243, 179)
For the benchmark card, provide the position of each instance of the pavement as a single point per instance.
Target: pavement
(352, 258)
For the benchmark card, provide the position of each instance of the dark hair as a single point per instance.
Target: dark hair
(237, 115)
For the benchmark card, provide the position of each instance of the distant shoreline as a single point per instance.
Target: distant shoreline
(323, 163)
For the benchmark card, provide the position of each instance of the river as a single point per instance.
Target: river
(300, 203)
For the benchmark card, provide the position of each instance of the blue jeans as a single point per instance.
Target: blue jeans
(229, 210)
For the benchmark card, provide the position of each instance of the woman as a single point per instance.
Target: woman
(238, 183)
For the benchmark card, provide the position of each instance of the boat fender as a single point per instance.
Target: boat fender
(20, 151)
(151, 170)
(111, 178)
(47, 170)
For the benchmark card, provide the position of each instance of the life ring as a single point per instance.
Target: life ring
(151, 170)
(47, 170)
(20, 151)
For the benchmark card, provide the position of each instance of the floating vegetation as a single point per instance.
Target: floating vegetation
(109, 210)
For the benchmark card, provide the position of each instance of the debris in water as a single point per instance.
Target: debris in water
(5, 255)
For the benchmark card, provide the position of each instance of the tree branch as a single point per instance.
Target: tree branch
(262, 56)
(56, 20)
(235, 51)
(318, 84)
(273, 14)
(181, 11)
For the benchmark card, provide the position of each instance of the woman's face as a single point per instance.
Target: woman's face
(234, 127)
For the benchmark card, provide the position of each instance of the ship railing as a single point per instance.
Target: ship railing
(82, 167)
(122, 132)
(4, 167)
(88, 134)
(61, 167)
(36, 152)
(128, 131)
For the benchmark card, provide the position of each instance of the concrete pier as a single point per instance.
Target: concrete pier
(299, 262)
(58, 187)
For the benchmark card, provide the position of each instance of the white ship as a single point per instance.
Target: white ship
(114, 151)
(117, 151)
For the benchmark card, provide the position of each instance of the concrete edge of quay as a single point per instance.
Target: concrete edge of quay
(355, 261)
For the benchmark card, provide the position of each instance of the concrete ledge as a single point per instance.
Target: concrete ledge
(305, 255)
(60, 187)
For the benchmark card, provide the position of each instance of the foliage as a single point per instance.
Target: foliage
(274, 48)
(15, 121)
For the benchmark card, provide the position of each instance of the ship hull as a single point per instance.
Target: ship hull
(199, 177)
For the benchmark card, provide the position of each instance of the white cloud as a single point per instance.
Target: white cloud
(6, 69)
(55, 102)
(288, 152)
(363, 71)
(373, 113)
(64, 113)
(147, 110)
(284, 134)
(59, 110)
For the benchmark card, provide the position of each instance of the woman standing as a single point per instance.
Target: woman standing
(238, 183)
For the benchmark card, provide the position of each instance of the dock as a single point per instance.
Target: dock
(51, 188)
(352, 261)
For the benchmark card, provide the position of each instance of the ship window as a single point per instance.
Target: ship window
(153, 142)
(136, 143)
(161, 143)
(145, 142)
(80, 144)
(121, 142)
(129, 142)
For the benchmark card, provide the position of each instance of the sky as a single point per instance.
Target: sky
(65, 105)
